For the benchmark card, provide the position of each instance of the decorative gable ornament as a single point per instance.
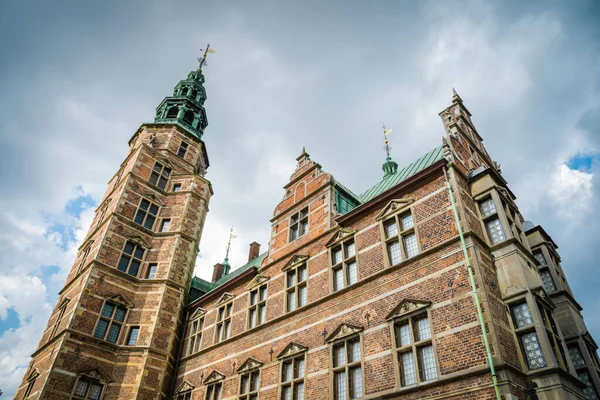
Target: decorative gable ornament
(257, 281)
(214, 376)
(393, 207)
(291, 350)
(140, 241)
(225, 298)
(343, 331)
(154, 198)
(197, 313)
(249, 365)
(97, 375)
(33, 375)
(295, 260)
(407, 306)
(185, 387)
(339, 236)
(121, 299)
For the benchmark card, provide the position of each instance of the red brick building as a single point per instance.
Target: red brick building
(357, 296)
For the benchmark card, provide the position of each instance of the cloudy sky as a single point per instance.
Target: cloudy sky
(77, 79)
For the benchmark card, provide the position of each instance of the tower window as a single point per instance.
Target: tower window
(299, 224)
(110, 322)
(296, 292)
(258, 306)
(182, 149)
(528, 337)
(414, 350)
(131, 258)
(347, 369)
(134, 331)
(87, 388)
(173, 112)
(188, 117)
(146, 214)
(400, 237)
(160, 175)
(223, 330)
(492, 223)
(343, 261)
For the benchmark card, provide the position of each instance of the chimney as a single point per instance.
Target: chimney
(254, 251)
(217, 272)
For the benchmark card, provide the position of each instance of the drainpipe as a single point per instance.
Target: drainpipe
(473, 288)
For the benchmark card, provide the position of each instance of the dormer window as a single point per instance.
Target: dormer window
(299, 224)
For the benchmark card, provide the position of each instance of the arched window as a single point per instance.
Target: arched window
(173, 111)
(194, 94)
(184, 91)
(188, 117)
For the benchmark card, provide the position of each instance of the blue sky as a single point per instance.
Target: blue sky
(78, 78)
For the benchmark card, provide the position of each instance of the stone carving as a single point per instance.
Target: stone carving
(343, 331)
(120, 299)
(393, 206)
(249, 364)
(185, 387)
(291, 350)
(257, 281)
(294, 261)
(408, 306)
(225, 298)
(512, 289)
(214, 376)
(340, 235)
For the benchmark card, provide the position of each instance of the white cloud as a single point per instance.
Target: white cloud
(572, 193)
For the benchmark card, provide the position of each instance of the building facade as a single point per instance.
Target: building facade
(429, 285)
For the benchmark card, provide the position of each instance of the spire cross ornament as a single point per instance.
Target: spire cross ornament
(386, 146)
(206, 52)
(231, 236)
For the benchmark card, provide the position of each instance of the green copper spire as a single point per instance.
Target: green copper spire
(389, 167)
(186, 106)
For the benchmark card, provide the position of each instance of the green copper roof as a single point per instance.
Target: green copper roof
(392, 180)
(205, 286)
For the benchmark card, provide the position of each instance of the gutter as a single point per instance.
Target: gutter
(474, 289)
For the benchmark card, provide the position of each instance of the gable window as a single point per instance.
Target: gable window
(400, 238)
(343, 261)
(491, 221)
(296, 292)
(213, 391)
(182, 149)
(528, 337)
(292, 378)
(165, 225)
(134, 332)
(61, 314)
(223, 330)
(249, 382)
(414, 350)
(160, 175)
(347, 369)
(110, 322)
(299, 224)
(258, 306)
(195, 335)
(131, 258)
(146, 214)
(151, 271)
(87, 388)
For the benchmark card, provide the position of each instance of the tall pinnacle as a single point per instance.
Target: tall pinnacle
(389, 167)
(226, 266)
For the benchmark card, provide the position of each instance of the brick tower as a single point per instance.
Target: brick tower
(114, 332)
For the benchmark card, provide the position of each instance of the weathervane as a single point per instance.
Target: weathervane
(206, 53)
(231, 236)
(386, 146)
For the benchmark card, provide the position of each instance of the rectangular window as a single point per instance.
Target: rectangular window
(491, 221)
(414, 350)
(131, 258)
(182, 149)
(195, 335)
(589, 391)
(61, 314)
(223, 329)
(249, 385)
(213, 391)
(292, 379)
(160, 175)
(151, 271)
(576, 356)
(88, 389)
(347, 369)
(299, 224)
(258, 307)
(30, 385)
(177, 187)
(165, 225)
(110, 322)
(547, 280)
(146, 214)
(134, 331)
(487, 207)
(296, 293)
(539, 256)
(528, 337)
(343, 261)
(401, 240)
(84, 257)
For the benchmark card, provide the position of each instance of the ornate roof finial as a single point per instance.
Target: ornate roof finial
(226, 265)
(455, 96)
(203, 59)
(389, 167)
(302, 155)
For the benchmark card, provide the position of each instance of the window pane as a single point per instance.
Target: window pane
(409, 373)
(153, 209)
(162, 182)
(352, 273)
(589, 391)
(153, 178)
(429, 370)
(120, 314)
(354, 351)
(113, 333)
(394, 252)
(533, 350)
(356, 382)
(261, 314)
(340, 385)
(108, 309)
(291, 278)
(129, 248)
(133, 335)
(245, 384)
(81, 388)
(299, 391)
(134, 268)
(227, 330)
(252, 318)
(339, 356)
(403, 335)
(149, 222)
(350, 250)
(254, 381)
(101, 329)
(539, 257)
(407, 222)
(302, 296)
(302, 274)
(521, 315)
(291, 301)
(336, 256)
(299, 371)
(548, 281)
(410, 242)
(144, 204)
(177, 187)
(338, 279)
(139, 253)
(228, 310)
(495, 231)
(303, 227)
(423, 329)
(286, 393)
(294, 232)
(253, 297)
(152, 271)
(487, 207)
(286, 372)
(166, 223)
(123, 263)
(95, 392)
(576, 355)
(391, 229)
(263, 293)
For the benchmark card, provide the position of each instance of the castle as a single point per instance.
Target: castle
(429, 285)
